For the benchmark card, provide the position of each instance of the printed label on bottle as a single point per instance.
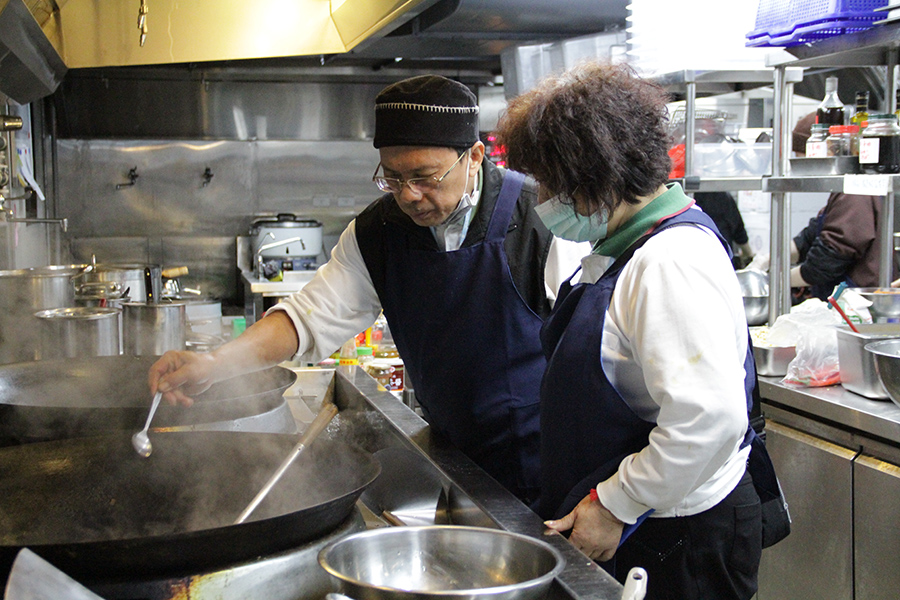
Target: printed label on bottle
(816, 149)
(868, 151)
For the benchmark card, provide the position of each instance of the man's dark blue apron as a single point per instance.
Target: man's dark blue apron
(471, 346)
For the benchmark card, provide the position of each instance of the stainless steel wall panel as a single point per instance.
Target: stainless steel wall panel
(815, 560)
(876, 518)
(210, 261)
(290, 110)
(112, 249)
(160, 218)
(330, 181)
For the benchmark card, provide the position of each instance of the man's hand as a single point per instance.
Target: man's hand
(595, 530)
(180, 375)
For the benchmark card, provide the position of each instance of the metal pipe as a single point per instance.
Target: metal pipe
(690, 122)
(779, 242)
(886, 225)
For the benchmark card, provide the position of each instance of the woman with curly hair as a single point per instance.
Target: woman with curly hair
(644, 416)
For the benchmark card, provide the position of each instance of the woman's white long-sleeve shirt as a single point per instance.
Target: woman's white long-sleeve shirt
(674, 343)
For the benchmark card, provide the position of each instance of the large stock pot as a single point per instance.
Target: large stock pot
(24, 292)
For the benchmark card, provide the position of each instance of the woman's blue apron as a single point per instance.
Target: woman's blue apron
(471, 347)
(587, 428)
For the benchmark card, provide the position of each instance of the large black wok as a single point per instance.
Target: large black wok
(96, 510)
(53, 399)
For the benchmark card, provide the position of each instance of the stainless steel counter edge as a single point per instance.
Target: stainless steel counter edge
(582, 578)
(295, 282)
(845, 409)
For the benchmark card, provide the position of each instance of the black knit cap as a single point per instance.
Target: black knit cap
(428, 110)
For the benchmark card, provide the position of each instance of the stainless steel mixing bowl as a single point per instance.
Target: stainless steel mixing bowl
(887, 362)
(885, 303)
(441, 561)
(755, 290)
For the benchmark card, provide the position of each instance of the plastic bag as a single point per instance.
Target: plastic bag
(813, 325)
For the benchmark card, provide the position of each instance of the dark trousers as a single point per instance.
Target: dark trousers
(713, 555)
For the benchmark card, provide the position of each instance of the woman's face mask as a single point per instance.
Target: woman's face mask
(564, 222)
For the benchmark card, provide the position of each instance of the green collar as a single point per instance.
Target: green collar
(667, 204)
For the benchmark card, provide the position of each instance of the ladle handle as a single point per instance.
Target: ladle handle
(325, 415)
(153, 406)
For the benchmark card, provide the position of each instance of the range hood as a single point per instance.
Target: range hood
(92, 33)
(30, 67)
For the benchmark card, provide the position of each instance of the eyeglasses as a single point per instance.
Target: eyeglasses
(420, 185)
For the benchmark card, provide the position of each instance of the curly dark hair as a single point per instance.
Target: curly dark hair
(598, 128)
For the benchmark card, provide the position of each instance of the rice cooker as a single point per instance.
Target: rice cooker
(286, 242)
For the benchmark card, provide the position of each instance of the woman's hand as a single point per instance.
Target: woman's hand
(180, 375)
(595, 530)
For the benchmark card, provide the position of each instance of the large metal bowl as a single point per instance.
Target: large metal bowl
(885, 303)
(441, 561)
(887, 362)
(755, 290)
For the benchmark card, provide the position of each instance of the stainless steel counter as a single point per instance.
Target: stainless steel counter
(260, 293)
(836, 406)
(376, 419)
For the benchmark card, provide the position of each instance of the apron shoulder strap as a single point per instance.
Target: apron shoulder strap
(506, 203)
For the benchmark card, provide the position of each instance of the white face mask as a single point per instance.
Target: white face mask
(564, 222)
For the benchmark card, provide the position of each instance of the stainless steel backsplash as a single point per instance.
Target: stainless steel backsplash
(173, 217)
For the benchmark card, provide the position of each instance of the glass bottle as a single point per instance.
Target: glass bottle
(815, 144)
(862, 109)
(831, 109)
(843, 140)
(879, 146)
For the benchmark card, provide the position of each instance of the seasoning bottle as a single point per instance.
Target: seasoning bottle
(348, 353)
(862, 109)
(843, 140)
(364, 355)
(831, 109)
(815, 144)
(879, 146)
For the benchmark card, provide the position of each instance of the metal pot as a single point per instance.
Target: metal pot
(442, 561)
(97, 511)
(79, 331)
(153, 329)
(23, 292)
(132, 277)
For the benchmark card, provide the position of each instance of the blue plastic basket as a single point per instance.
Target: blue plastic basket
(794, 22)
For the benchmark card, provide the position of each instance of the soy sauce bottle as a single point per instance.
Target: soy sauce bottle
(831, 110)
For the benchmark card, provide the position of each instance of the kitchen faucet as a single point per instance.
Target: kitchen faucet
(271, 245)
(6, 214)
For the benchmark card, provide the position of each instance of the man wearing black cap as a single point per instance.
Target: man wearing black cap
(462, 267)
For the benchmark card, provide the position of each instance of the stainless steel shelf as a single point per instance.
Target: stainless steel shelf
(815, 183)
(719, 184)
(714, 83)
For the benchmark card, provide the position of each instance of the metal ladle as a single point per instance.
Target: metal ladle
(140, 440)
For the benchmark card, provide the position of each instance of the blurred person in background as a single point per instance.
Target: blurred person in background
(839, 245)
(723, 210)
(462, 267)
(645, 433)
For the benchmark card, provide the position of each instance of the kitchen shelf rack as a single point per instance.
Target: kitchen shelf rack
(690, 84)
(877, 46)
